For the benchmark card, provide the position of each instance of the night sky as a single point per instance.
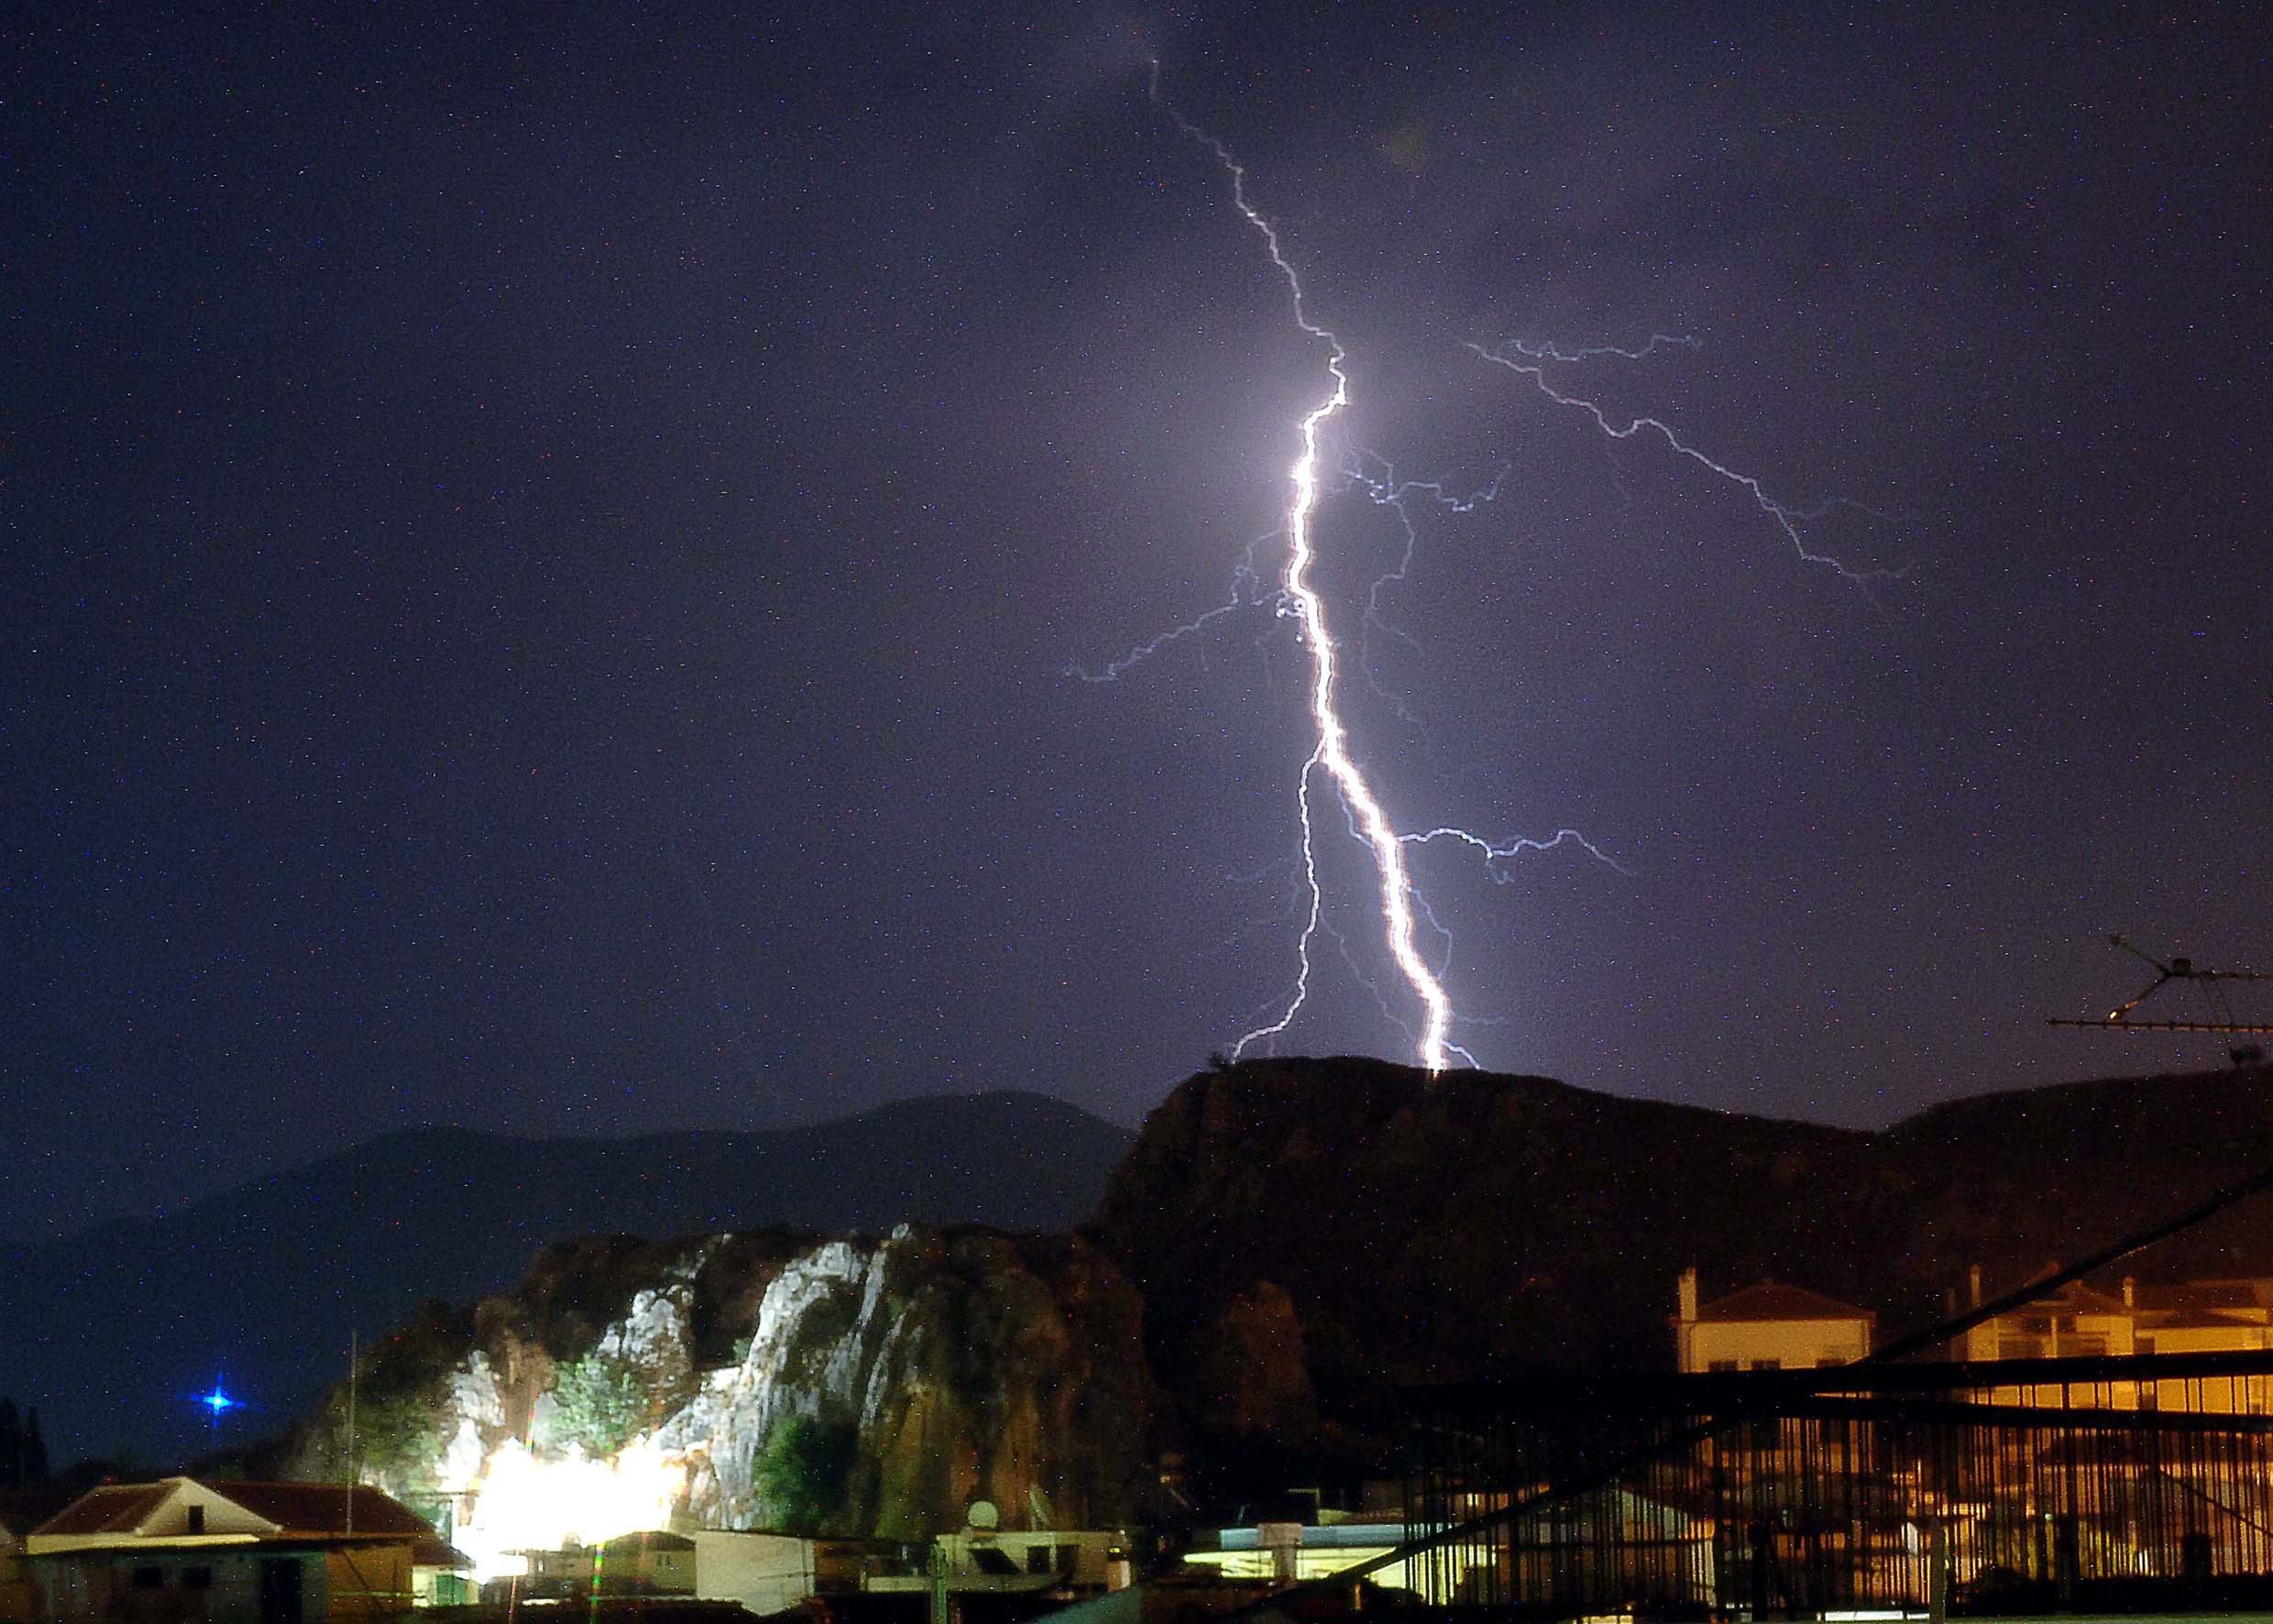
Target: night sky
(546, 545)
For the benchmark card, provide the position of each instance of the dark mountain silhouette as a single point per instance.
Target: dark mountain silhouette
(114, 1330)
(1309, 1234)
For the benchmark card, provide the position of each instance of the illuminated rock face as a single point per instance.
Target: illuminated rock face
(821, 1352)
(474, 1416)
(953, 1366)
(654, 1336)
(880, 1387)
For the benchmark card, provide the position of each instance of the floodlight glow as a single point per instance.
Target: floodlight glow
(522, 1501)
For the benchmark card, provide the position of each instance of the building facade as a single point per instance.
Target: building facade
(231, 1554)
(1767, 1326)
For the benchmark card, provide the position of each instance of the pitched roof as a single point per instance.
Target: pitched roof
(431, 1552)
(1770, 1300)
(23, 1509)
(2076, 1298)
(114, 1509)
(2197, 1303)
(301, 1508)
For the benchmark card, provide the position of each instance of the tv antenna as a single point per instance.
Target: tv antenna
(2220, 1008)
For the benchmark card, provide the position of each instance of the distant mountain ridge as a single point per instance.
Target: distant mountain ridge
(261, 1284)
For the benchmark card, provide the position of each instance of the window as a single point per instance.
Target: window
(197, 1578)
(1067, 1555)
(1722, 1365)
(1767, 1364)
(1037, 1559)
(149, 1578)
(197, 1519)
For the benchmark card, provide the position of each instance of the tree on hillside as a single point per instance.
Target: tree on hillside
(805, 1472)
(600, 1404)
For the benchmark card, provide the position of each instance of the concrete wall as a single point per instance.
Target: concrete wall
(765, 1573)
(1794, 1344)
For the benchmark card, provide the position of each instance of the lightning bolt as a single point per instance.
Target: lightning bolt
(1387, 490)
(1404, 911)
(1494, 855)
(1332, 751)
(1532, 361)
(1246, 592)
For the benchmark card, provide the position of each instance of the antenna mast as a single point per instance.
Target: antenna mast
(351, 1428)
(2120, 1019)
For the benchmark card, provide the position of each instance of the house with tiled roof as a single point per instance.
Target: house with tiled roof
(2076, 1322)
(258, 1553)
(2202, 1316)
(1767, 1326)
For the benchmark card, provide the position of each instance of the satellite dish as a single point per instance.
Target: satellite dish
(983, 1514)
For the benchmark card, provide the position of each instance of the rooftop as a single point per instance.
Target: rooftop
(1771, 1299)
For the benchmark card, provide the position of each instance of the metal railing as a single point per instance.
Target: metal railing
(2103, 1483)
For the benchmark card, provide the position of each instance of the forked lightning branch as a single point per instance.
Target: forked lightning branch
(1402, 908)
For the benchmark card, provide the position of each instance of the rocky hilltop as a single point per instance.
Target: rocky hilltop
(1309, 1234)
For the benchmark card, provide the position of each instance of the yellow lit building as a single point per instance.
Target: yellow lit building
(1768, 1326)
(2193, 1317)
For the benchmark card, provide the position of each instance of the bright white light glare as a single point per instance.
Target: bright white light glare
(522, 1501)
